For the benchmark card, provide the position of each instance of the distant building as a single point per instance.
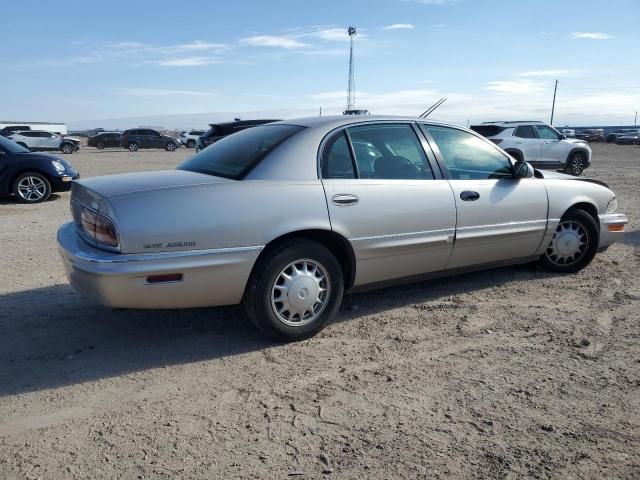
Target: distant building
(54, 127)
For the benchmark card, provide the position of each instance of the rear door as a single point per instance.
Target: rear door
(526, 140)
(388, 200)
(498, 217)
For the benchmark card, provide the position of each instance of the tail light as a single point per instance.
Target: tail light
(98, 227)
(497, 141)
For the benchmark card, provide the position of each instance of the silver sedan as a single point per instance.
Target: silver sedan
(286, 217)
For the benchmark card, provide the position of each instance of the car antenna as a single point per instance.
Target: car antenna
(433, 107)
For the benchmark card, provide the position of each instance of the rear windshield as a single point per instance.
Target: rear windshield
(235, 155)
(487, 130)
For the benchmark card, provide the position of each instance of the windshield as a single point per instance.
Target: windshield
(234, 156)
(11, 147)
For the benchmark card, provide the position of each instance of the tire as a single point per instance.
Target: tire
(170, 147)
(191, 143)
(100, 146)
(31, 187)
(312, 268)
(576, 226)
(133, 146)
(575, 164)
(67, 148)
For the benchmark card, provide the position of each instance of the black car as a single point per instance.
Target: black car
(6, 131)
(613, 136)
(630, 138)
(32, 177)
(105, 140)
(137, 138)
(221, 130)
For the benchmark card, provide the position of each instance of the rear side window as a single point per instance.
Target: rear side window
(336, 161)
(488, 130)
(389, 152)
(525, 131)
(468, 157)
(235, 155)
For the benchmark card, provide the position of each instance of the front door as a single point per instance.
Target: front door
(398, 215)
(553, 150)
(499, 217)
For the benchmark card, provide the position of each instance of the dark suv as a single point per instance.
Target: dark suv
(137, 138)
(221, 130)
(105, 140)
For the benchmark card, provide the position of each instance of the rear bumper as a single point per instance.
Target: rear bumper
(210, 277)
(612, 226)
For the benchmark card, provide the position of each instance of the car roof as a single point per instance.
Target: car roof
(513, 122)
(335, 121)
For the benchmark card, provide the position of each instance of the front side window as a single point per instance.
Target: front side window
(387, 151)
(547, 132)
(468, 157)
(525, 131)
(235, 155)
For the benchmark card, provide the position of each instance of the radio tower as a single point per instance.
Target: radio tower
(351, 91)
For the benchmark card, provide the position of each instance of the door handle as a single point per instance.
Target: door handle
(469, 196)
(344, 199)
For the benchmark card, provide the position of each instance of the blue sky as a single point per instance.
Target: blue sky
(182, 64)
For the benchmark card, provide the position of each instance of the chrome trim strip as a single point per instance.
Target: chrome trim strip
(428, 233)
(502, 226)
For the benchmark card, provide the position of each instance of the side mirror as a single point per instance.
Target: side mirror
(523, 170)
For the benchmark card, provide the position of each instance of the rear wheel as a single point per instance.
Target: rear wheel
(574, 243)
(576, 163)
(32, 187)
(191, 143)
(295, 290)
(133, 147)
(100, 146)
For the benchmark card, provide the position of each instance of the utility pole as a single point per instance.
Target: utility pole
(320, 112)
(635, 120)
(553, 107)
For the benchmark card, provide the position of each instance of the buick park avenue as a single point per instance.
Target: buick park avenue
(286, 217)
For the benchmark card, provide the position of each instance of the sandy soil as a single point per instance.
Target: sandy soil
(509, 373)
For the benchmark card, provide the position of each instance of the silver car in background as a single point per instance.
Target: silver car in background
(286, 217)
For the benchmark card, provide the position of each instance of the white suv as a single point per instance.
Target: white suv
(39, 140)
(539, 144)
(190, 138)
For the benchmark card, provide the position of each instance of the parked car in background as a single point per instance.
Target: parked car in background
(568, 132)
(630, 138)
(221, 130)
(613, 136)
(189, 138)
(138, 138)
(32, 177)
(539, 144)
(105, 140)
(318, 226)
(6, 131)
(592, 135)
(39, 140)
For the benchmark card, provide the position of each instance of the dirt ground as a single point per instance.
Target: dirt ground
(509, 373)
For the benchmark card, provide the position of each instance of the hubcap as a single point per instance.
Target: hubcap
(32, 188)
(300, 292)
(568, 243)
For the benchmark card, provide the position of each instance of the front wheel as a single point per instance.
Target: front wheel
(574, 243)
(576, 163)
(295, 290)
(170, 147)
(32, 187)
(67, 148)
(100, 146)
(191, 143)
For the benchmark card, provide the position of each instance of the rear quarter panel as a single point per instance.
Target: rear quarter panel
(225, 215)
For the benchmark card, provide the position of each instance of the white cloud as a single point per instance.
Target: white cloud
(199, 45)
(434, 2)
(185, 61)
(158, 92)
(331, 34)
(273, 41)
(544, 73)
(399, 26)
(591, 35)
(514, 87)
